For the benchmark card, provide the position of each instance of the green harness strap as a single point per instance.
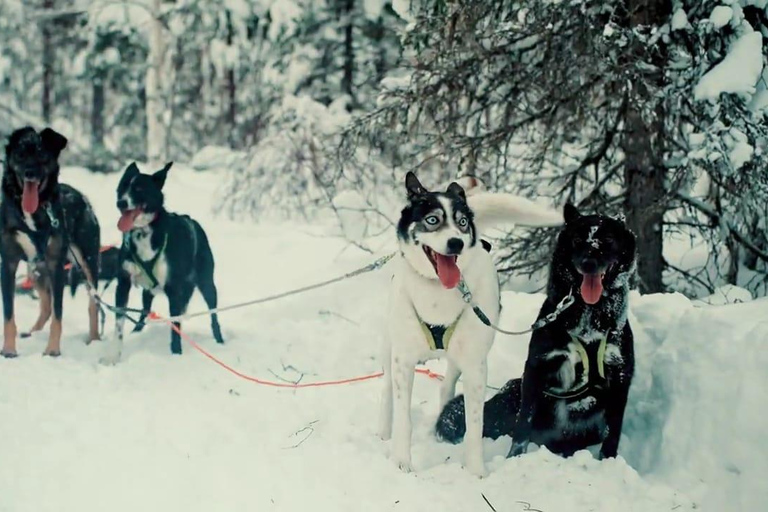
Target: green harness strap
(584, 355)
(438, 336)
(148, 268)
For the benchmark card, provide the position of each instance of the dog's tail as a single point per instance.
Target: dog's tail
(493, 209)
(498, 415)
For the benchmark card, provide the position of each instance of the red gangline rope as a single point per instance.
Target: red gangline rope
(155, 316)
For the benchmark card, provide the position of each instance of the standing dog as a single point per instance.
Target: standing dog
(44, 223)
(579, 368)
(439, 246)
(162, 252)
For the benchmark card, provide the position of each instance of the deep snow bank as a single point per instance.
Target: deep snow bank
(696, 415)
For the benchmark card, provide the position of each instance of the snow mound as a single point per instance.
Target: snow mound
(680, 20)
(721, 16)
(737, 73)
(709, 374)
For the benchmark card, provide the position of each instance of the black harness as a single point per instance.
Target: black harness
(147, 267)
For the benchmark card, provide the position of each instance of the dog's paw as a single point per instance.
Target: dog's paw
(405, 466)
(477, 468)
(109, 360)
(403, 460)
(518, 449)
(51, 352)
(139, 327)
(8, 354)
(111, 356)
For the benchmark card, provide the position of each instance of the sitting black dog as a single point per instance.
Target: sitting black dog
(579, 368)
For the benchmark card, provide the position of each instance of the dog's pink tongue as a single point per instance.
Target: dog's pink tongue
(29, 198)
(447, 270)
(127, 218)
(591, 288)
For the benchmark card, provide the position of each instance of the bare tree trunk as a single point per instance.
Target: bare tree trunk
(347, 80)
(97, 120)
(643, 147)
(156, 132)
(231, 87)
(49, 59)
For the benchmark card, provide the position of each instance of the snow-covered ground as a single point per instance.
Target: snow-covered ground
(158, 432)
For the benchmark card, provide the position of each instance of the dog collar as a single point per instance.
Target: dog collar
(590, 379)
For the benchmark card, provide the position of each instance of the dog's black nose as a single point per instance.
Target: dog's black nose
(589, 266)
(455, 245)
(122, 204)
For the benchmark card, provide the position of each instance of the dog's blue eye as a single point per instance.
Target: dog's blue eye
(432, 220)
(463, 222)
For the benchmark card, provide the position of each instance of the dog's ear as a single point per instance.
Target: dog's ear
(16, 139)
(131, 171)
(53, 141)
(456, 190)
(570, 213)
(159, 176)
(413, 186)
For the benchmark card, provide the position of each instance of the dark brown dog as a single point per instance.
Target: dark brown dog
(44, 223)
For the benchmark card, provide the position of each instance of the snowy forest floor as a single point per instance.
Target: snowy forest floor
(159, 432)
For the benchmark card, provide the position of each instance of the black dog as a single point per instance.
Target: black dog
(579, 368)
(161, 252)
(109, 266)
(45, 223)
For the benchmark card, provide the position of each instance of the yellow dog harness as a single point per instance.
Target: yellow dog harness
(589, 379)
(438, 336)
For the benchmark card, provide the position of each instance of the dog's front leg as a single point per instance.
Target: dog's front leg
(475, 377)
(122, 293)
(532, 388)
(8, 284)
(402, 383)
(42, 286)
(58, 280)
(616, 403)
(146, 305)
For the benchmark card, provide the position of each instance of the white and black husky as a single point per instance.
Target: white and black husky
(439, 246)
(162, 252)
